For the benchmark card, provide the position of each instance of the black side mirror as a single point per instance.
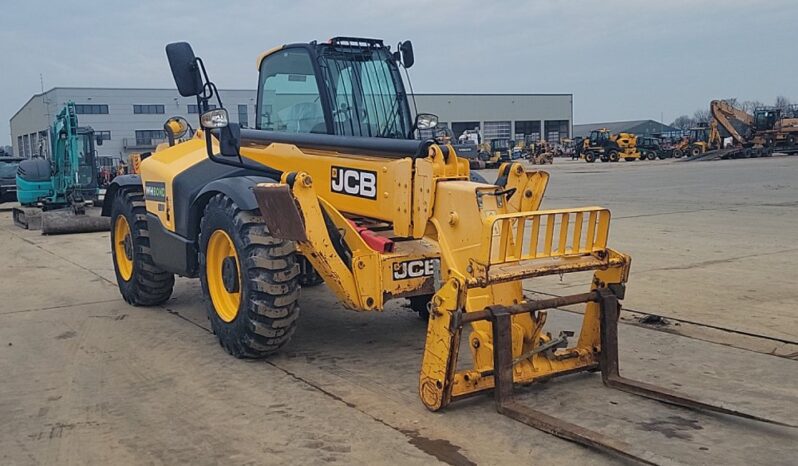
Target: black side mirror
(406, 48)
(230, 140)
(184, 68)
(98, 140)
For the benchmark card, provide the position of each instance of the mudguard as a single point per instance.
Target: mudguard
(119, 182)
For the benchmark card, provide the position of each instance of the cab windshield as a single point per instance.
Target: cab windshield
(365, 92)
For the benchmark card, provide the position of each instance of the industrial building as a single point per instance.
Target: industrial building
(131, 120)
(638, 127)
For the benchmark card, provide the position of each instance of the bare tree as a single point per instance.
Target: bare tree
(702, 115)
(782, 102)
(749, 106)
(683, 122)
(731, 101)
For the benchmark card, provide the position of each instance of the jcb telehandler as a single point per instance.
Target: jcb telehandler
(340, 190)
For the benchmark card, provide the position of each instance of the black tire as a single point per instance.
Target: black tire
(677, 153)
(590, 157)
(148, 285)
(791, 140)
(651, 155)
(268, 281)
(614, 156)
(695, 151)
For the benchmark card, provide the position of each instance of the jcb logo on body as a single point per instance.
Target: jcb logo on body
(359, 183)
(416, 268)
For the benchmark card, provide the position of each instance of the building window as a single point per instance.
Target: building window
(102, 135)
(556, 130)
(20, 147)
(91, 109)
(149, 109)
(193, 108)
(145, 137)
(243, 116)
(497, 130)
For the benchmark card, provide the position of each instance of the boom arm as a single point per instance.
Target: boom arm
(725, 113)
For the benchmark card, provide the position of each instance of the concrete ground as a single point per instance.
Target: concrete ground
(87, 379)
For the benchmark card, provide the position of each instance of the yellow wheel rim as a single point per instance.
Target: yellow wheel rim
(123, 248)
(226, 297)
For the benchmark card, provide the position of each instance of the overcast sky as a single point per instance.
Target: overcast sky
(622, 59)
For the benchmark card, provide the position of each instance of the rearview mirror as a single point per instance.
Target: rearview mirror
(406, 48)
(184, 68)
(426, 121)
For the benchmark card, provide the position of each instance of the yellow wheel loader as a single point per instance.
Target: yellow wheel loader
(333, 185)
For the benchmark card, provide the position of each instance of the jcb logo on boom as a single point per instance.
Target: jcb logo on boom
(414, 269)
(360, 183)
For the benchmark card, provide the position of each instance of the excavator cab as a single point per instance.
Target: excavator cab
(765, 118)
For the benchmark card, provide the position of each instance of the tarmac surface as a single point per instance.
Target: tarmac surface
(87, 379)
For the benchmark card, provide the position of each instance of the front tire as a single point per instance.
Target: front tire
(250, 280)
(140, 281)
(590, 157)
(614, 156)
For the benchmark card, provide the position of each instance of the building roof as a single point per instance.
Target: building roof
(630, 126)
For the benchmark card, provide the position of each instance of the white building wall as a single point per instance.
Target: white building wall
(36, 115)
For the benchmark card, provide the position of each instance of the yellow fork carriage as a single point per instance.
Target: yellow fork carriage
(339, 181)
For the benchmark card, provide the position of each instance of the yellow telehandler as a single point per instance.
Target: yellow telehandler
(333, 185)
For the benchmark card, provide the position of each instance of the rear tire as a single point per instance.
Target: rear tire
(677, 154)
(695, 151)
(261, 270)
(140, 281)
(652, 155)
(590, 157)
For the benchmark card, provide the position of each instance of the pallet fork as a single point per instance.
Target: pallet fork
(607, 299)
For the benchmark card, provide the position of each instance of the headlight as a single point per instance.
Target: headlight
(216, 118)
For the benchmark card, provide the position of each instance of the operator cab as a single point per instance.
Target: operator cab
(700, 134)
(345, 86)
(765, 118)
(599, 136)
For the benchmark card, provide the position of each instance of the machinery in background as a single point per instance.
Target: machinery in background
(539, 151)
(55, 193)
(650, 147)
(499, 151)
(608, 147)
(768, 130)
(8, 177)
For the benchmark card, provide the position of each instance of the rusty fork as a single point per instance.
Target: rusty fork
(501, 319)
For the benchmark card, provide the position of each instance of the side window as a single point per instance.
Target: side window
(289, 96)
